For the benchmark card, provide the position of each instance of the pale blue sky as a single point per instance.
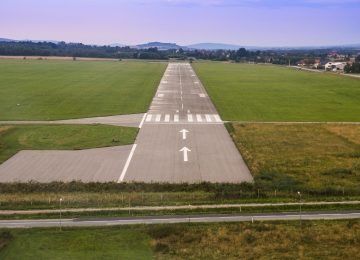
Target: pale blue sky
(243, 22)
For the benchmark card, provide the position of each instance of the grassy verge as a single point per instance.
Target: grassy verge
(243, 92)
(301, 157)
(279, 240)
(14, 138)
(55, 89)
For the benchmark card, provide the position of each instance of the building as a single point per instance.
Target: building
(335, 66)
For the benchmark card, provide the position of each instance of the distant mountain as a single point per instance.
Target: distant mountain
(213, 46)
(159, 45)
(117, 45)
(6, 40)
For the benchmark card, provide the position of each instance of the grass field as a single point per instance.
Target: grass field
(243, 92)
(276, 240)
(313, 156)
(14, 138)
(49, 90)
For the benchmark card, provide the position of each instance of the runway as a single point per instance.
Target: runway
(182, 138)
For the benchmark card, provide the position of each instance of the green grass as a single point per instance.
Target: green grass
(14, 138)
(276, 240)
(293, 156)
(91, 243)
(49, 90)
(243, 92)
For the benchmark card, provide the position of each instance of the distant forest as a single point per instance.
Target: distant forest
(282, 57)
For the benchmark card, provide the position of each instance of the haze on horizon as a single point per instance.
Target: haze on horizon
(244, 22)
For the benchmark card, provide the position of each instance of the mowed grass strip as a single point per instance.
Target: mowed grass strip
(291, 156)
(14, 138)
(50, 90)
(275, 240)
(245, 92)
(92, 243)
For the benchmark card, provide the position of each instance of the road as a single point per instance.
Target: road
(177, 219)
(182, 138)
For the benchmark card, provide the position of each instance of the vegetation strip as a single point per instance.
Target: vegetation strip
(159, 208)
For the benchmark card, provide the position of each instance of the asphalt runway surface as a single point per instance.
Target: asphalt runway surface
(182, 137)
(41, 223)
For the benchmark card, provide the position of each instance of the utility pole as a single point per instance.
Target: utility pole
(299, 193)
(60, 212)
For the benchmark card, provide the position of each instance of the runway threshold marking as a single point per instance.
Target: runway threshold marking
(123, 173)
(208, 118)
(176, 118)
(148, 118)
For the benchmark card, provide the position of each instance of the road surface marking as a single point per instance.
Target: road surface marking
(158, 118)
(122, 176)
(202, 95)
(217, 118)
(185, 151)
(208, 118)
(190, 118)
(148, 118)
(142, 121)
(193, 75)
(198, 118)
(176, 118)
(167, 118)
(164, 82)
(161, 95)
(188, 111)
(196, 82)
(184, 132)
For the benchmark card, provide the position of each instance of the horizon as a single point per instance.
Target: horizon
(261, 23)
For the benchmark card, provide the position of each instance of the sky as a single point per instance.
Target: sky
(241, 22)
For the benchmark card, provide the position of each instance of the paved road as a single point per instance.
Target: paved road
(92, 165)
(183, 138)
(120, 120)
(177, 219)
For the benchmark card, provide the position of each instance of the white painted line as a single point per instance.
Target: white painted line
(177, 111)
(158, 118)
(184, 132)
(164, 82)
(196, 82)
(217, 118)
(176, 118)
(182, 106)
(202, 95)
(142, 121)
(185, 150)
(208, 118)
(122, 176)
(193, 75)
(199, 118)
(148, 118)
(167, 118)
(190, 118)
(188, 111)
(161, 95)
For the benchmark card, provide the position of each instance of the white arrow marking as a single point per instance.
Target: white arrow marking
(184, 132)
(185, 150)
